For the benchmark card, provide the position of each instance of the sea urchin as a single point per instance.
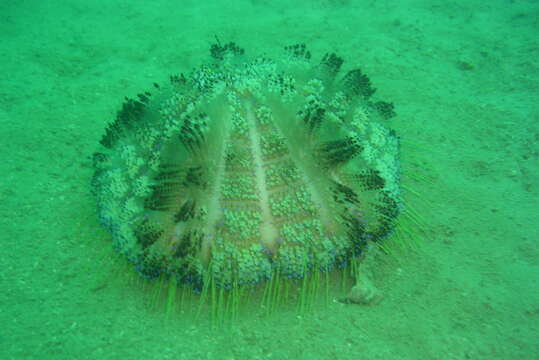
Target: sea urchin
(247, 168)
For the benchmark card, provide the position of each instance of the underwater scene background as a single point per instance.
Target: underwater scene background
(457, 279)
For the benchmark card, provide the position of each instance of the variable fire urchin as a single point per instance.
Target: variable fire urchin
(247, 168)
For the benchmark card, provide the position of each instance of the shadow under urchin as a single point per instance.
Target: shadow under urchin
(249, 169)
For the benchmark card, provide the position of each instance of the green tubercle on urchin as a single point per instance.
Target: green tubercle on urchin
(247, 168)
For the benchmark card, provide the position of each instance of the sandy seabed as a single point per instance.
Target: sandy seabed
(464, 77)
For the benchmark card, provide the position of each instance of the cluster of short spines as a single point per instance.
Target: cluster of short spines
(237, 187)
(237, 157)
(333, 153)
(273, 145)
(292, 203)
(149, 180)
(264, 116)
(281, 174)
(240, 128)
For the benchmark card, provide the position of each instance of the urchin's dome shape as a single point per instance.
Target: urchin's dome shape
(249, 167)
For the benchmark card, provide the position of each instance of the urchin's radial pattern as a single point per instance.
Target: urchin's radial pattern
(248, 167)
